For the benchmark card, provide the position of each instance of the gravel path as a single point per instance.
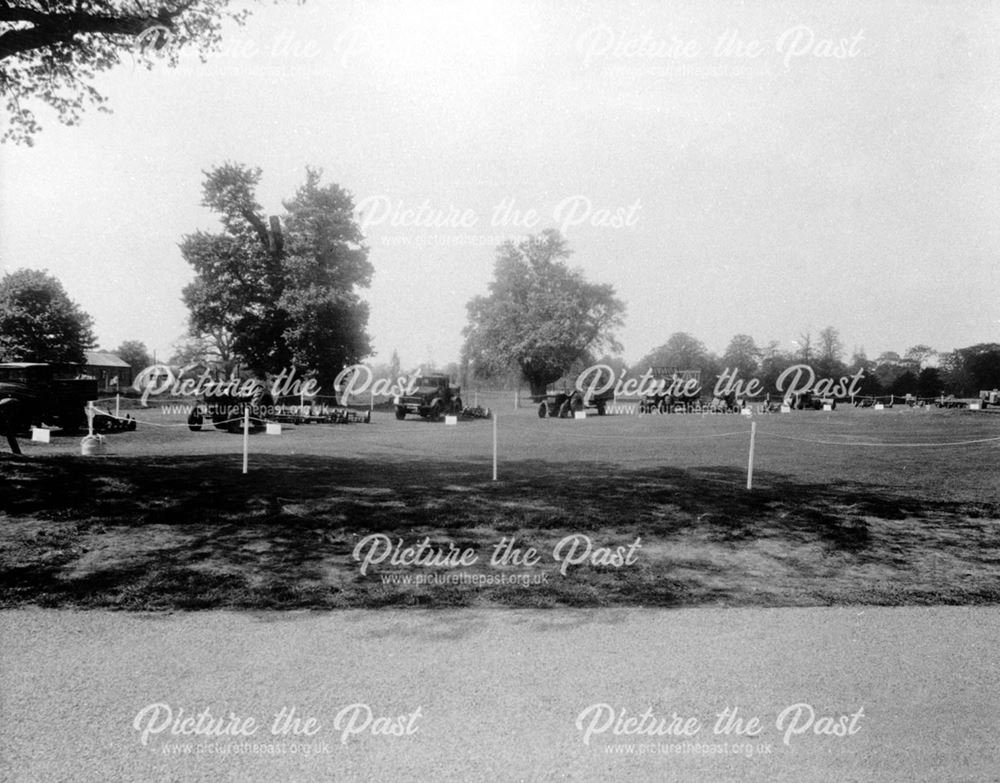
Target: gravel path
(497, 695)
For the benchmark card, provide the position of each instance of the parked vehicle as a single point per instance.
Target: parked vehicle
(37, 394)
(433, 397)
(806, 400)
(227, 411)
(561, 405)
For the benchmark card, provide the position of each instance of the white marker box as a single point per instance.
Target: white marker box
(580, 415)
(451, 420)
(272, 428)
(40, 435)
(786, 409)
(879, 406)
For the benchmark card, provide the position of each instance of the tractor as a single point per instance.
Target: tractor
(730, 402)
(665, 402)
(562, 405)
(807, 401)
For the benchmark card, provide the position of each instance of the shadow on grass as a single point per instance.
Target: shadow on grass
(193, 532)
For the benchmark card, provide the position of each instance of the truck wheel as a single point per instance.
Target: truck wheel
(600, 408)
(543, 410)
(195, 421)
(565, 411)
(400, 412)
(436, 410)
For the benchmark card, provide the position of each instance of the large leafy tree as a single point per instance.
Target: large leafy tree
(969, 370)
(50, 50)
(540, 316)
(681, 351)
(274, 292)
(39, 322)
(325, 262)
(135, 353)
(234, 299)
(742, 355)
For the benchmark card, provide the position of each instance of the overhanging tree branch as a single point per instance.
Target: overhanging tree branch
(50, 50)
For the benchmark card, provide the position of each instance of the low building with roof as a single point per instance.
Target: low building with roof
(112, 372)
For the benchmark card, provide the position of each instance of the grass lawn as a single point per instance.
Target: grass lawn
(166, 520)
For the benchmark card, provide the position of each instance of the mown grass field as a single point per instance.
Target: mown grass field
(166, 520)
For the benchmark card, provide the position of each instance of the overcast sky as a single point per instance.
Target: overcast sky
(771, 167)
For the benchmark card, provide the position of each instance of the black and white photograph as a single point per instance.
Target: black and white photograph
(499, 390)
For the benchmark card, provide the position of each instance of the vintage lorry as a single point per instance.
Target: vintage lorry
(33, 394)
(433, 396)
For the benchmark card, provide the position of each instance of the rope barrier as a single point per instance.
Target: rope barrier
(591, 435)
(389, 440)
(885, 445)
(206, 423)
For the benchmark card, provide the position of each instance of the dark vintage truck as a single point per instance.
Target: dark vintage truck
(33, 394)
(433, 397)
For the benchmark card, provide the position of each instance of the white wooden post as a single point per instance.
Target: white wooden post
(753, 438)
(246, 437)
(495, 446)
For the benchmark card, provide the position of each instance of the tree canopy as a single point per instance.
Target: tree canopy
(742, 355)
(51, 50)
(540, 316)
(972, 369)
(275, 292)
(681, 351)
(135, 353)
(39, 322)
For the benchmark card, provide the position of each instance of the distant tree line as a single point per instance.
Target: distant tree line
(39, 321)
(920, 370)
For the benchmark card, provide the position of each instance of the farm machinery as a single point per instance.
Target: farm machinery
(679, 391)
(36, 394)
(567, 403)
(670, 403)
(807, 401)
(316, 410)
(228, 411)
(561, 405)
(731, 402)
(104, 421)
(988, 398)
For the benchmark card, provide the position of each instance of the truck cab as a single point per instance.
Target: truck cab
(36, 393)
(433, 397)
